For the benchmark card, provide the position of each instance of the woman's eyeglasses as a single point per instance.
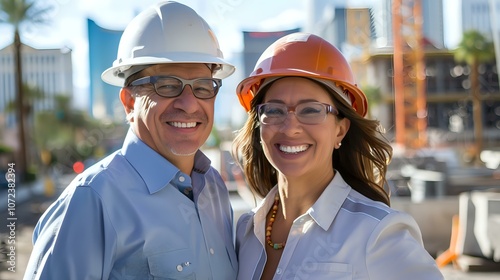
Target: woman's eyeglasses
(306, 113)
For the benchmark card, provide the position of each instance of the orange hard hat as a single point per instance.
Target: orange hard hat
(304, 55)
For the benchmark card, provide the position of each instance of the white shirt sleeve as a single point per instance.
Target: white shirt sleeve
(395, 251)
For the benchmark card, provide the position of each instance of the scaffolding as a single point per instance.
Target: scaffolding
(409, 74)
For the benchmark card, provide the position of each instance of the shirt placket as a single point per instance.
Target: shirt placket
(183, 183)
(293, 239)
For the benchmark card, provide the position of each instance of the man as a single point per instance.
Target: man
(154, 209)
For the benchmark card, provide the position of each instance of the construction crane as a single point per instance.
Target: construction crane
(409, 74)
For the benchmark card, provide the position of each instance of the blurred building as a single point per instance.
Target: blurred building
(366, 38)
(449, 102)
(104, 98)
(46, 70)
(332, 23)
(476, 15)
(255, 43)
(433, 23)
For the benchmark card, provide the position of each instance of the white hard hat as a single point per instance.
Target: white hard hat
(168, 32)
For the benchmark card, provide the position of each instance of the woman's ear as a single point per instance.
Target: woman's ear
(128, 100)
(343, 126)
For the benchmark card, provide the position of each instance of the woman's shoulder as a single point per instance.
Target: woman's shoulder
(357, 202)
(382, 214)
(379, 212)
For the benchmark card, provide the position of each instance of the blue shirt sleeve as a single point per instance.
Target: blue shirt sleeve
(75, 240)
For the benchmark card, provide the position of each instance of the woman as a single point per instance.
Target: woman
(320, 166)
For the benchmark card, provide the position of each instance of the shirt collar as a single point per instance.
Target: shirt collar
(201, 162)
(258, 220)
(326, 208)
(156, 171)
(323, 211)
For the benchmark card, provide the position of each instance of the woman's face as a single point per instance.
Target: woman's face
(296, 149)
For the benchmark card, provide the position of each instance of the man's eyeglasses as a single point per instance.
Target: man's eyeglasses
(170, 86)
(306, 113)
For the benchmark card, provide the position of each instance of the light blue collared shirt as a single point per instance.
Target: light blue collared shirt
(344, 235)
(124, 218)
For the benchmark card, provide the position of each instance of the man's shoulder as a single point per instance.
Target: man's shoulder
(108, 168)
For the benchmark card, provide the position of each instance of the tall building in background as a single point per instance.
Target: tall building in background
(433, 25)
(328, 21)
(476, 16)
(483, 16)
(495, 30)
(255, 43)
(104, 98)
(351, 30)
(49, 70)
(361, 32)
(332, 26)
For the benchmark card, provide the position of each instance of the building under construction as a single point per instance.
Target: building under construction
(424, 94)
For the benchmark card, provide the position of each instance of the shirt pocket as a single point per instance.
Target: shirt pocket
(172, 265)
(320, 271)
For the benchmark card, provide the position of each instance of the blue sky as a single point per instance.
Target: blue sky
(227, 17)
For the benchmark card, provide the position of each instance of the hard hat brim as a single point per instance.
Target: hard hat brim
(116, 76)
(248, 88)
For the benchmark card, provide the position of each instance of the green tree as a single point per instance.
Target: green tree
(65, 135)
(58, 127)
(474, 49)
(31, 94)
(21, 14)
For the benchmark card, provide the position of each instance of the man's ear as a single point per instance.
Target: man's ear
(128, 101)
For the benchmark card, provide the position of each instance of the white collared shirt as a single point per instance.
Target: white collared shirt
(344, 235)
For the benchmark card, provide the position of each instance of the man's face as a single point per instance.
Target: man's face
(174, 127)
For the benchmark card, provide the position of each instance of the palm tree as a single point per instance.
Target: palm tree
(21, 14)
(475, 49)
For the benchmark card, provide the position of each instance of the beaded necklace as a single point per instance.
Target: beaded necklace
(269, 228)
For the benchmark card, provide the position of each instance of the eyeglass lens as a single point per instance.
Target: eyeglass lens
(306, 113)
(169, 86)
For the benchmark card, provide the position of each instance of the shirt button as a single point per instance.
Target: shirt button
(278, 271)
(182, 179)
(179, 268)
(212, 251)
